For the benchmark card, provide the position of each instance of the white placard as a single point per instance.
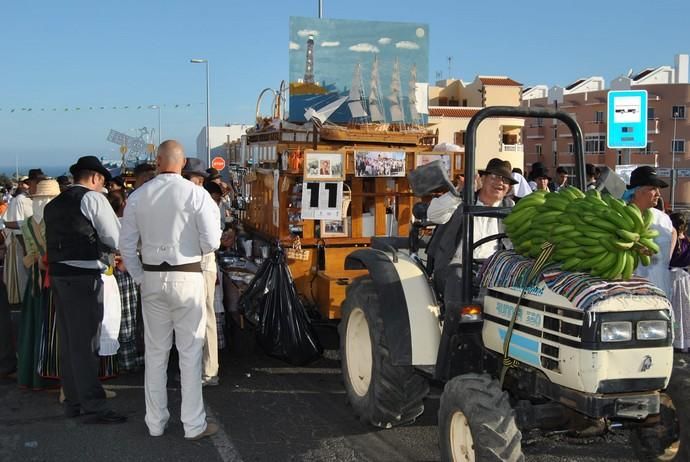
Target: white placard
(322, 201)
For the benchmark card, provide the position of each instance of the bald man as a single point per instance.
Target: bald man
(177, 223)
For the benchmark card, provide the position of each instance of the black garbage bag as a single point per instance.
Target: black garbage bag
(271, 303)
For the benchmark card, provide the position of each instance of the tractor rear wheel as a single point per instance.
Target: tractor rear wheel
(380, 393)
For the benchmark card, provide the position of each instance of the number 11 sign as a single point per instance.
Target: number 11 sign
(322, 201)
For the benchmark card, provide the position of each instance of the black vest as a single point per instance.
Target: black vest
(69, 235)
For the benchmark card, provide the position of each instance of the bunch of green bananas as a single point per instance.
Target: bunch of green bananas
(597, 234)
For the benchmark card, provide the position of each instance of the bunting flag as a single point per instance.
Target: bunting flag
(138, 107)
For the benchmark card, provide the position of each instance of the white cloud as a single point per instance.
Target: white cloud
(385, 40)
(330, 44)
(307, 33)
(365, 48)
(407, 45)
(294, 46)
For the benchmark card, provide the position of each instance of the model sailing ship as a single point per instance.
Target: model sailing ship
(368, 123)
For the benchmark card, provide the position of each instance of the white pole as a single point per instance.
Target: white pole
(320, 9)
(208, 109)
(208, 120)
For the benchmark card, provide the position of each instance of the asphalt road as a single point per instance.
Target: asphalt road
(267, 411)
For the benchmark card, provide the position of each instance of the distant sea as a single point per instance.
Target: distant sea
(9, 170)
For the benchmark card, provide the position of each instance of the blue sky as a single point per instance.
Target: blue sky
(69, 54)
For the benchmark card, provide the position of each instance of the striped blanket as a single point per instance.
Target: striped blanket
(508, 269)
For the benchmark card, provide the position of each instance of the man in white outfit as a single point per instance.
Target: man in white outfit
(176, 223)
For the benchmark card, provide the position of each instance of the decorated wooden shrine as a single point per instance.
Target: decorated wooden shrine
(332, 190)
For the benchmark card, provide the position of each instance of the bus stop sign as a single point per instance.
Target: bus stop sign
(627, 119)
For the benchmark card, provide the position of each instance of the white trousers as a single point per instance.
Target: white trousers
(174, 301)
(210, 367)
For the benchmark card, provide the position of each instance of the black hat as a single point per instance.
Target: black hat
(501, 168)
(90, 163)
(539, 171)
(645, 176)
(213, 188)
(213, 174)
(194, 166)
(63, 180)
(36, 174)
(118, 180)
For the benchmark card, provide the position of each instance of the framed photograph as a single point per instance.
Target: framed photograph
(323, 166)
(379, 163)
(334, 228)
(424, 158)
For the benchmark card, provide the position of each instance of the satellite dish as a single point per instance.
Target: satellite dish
(630, 71)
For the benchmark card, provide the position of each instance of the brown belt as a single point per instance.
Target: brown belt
(186, 268)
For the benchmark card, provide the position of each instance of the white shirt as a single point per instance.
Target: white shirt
(657, 272)
(19, 209)
(441, 209)
(175, 220)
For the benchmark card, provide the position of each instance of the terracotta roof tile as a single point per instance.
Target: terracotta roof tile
(451, 111)
(503, 81)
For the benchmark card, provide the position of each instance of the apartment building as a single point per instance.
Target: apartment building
(668, 128)
(452, 103)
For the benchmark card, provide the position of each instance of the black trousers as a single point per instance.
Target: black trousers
(8, 357)
(79, 307)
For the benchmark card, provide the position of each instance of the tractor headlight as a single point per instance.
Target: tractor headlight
(618, 331)
(652, 330)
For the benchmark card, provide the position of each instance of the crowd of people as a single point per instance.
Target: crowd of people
(105, 289)
(87, 260)
(376, 164)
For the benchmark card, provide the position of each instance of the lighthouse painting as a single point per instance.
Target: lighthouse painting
(344, 71)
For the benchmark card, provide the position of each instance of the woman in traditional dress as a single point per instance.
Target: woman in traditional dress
(129, 356)
(680, 283)
(36, 295)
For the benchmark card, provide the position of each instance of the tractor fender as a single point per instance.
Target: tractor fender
(409, 309)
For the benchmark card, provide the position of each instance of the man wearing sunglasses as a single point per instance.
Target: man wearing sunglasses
(496, 181)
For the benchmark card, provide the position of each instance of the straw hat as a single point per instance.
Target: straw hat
(47, 188)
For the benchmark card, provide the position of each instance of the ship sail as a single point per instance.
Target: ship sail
(356, 95)
(412, 94)
(394, 97)
(375, 109)
(322, 114)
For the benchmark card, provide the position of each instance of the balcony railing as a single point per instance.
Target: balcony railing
(653, 126)
(512, 147)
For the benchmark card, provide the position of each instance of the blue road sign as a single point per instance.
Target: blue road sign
(627, 119)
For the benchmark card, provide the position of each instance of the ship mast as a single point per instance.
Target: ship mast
(356, 96)
(397, 114)
(375, 112)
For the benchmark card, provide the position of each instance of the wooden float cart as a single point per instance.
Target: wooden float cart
(280, 146)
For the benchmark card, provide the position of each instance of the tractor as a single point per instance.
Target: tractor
(512, 358)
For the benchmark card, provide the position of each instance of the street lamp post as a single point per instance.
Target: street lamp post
(208, 111)
(673, 163)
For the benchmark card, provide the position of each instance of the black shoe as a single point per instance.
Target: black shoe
(110, 416)
(72, 412)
